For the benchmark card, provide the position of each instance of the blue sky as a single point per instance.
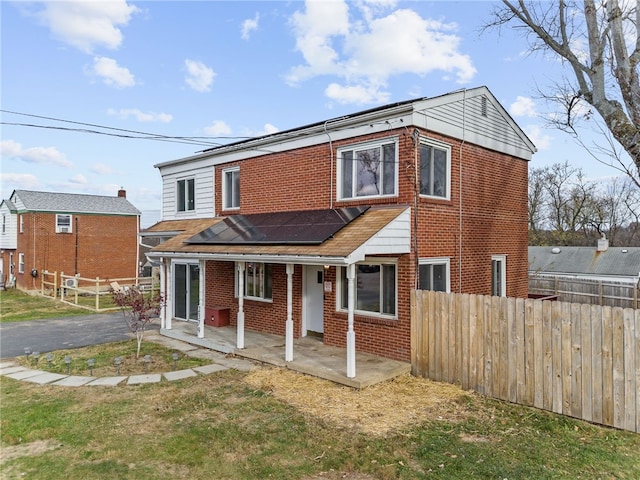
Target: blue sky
(209, 72)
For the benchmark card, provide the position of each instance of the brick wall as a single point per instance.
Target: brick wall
(486, 215)
(102, 246)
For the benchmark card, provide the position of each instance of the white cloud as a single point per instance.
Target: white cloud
(199, 76)
(218, 128)
(539, 138)
(17, 181)
(523, 107)
(141, 116)
(86, 25)
(248, 26)
(267, 129)
(102, 169)
(358, 94)
(367, 51)
(78, 179)
(111, 73)
(37, 155)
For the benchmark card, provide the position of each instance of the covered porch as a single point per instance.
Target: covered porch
(310, 356)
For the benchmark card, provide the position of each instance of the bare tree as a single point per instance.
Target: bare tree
(604, 73)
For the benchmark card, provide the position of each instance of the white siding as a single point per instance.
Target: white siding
(8, 239)
(204, 192)
(395, 238)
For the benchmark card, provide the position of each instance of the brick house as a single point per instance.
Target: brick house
(84, 235)
(325, 229)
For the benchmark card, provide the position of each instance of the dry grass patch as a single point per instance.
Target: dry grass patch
(377, 410)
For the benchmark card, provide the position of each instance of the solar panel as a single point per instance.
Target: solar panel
(305, 227)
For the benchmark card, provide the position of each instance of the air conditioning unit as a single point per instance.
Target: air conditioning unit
(70, 282)
(63, 229)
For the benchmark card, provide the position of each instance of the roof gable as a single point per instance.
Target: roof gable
(34, 201)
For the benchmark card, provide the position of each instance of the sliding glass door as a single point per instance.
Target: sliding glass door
(186, 290)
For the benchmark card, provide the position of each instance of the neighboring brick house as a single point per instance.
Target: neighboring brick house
(86, 235)
(327, 228)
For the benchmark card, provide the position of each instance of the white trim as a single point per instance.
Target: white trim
(447, 148)
(503, 273)
(223, 180)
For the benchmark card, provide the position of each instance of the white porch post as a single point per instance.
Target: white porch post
(351, 334)
(289, 323)
(201, 299)
(240, 326)
(163, 293)
(169, 293)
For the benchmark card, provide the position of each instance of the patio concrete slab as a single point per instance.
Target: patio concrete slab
(45, 378)
(4, 365)
(106, 381)
(310, 355)
(149, 378)
(179, 374)
(73, 381)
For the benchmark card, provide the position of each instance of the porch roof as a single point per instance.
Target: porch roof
(378, 231)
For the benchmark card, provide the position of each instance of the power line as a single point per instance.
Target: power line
(134, 134)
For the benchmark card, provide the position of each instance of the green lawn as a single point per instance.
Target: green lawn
(18, 306)
(227, 425)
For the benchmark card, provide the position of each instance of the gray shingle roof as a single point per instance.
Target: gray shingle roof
(616, 261)
(72, 203)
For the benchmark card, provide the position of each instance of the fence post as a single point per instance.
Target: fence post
(61, 285)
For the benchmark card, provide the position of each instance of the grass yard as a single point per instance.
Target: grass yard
(18, 306)
(274, 423)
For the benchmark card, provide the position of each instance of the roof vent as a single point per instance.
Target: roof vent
(555, 250)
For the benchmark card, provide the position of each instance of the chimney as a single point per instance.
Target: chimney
(122, 193)
(603, 244)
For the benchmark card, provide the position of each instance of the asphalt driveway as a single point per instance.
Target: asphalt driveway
(63, 333)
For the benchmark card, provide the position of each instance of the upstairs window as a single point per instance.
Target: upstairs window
(368, 170)
(4, 223)
(186, 195)
(435, 168)
(21, 223)
(63, 223)
(231, 188)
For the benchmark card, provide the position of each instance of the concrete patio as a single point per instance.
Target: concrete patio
(310, 355)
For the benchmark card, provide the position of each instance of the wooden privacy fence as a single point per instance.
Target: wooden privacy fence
(586, 290)
(574, 359)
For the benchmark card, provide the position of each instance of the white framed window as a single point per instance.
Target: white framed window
(21, 223)
(21, 263)
(435, 169)
(368, 170)
(231, 188)
(186, 195)
(63, 223)
(258, 281)
(434, 274)
(376, 289)
(499, 275)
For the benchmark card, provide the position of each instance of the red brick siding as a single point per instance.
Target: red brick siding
(102, 246)
(486, 215)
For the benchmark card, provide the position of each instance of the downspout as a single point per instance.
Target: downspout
(76, 256)
(464, 111)
(138, 240)
(331, 160)
(415, 138)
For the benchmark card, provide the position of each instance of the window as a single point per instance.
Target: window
(4, 223)
(498, 275)
(375, 290)
(21, 223)
(434, 169)
(63, 224)
(434, 274)
(258, 284)
(231, 188)
(368, 170)
(21, 263)
(186, 195)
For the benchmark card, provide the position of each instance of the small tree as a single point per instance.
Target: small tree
(139, 309)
